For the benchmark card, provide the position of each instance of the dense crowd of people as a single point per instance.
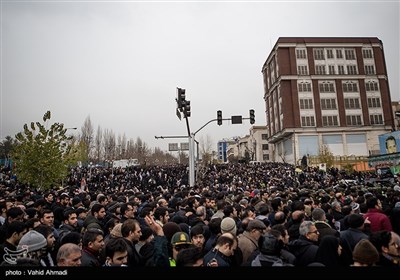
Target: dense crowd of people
(237, 215)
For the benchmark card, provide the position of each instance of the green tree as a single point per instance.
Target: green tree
(326, 156)
(42, 155)
(6, 146)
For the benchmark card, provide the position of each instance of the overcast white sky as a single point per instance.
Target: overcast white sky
(120, 62)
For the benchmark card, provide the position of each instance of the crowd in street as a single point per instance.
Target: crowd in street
(236, 215)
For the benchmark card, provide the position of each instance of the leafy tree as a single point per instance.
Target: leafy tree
(6, 146)
(42, 155)
(326, 156)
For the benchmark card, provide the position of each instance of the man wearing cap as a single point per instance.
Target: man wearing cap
(32, 245)
(248, 240)
(179, 241)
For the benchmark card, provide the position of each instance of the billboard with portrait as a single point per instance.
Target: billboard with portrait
(389, 143)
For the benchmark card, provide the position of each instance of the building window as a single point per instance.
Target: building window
(320, 69)
(353, 120)
(301, 54)
(367, 53)
(351, 70)
(349, 54)
(330, 121)
(306, 103)
(319, 54)
(326, 87)
(376, 119)
(272, 71)
(374, 102)
(352, 103)
(264, 136)
(307, 121)
(339, 54)
(350, 87)
(304, 87)
(302, 70)
(371, 86)
(341, 69)
(369, 70)
(265, 157)
(265, 147)
(328, 103)
(331, 69)
(329, 54)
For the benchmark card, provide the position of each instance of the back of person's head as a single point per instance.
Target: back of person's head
(146, 233)
(372, 202)
(170, 229)
(280, 217)
(192, 256)
(355, 220)
(318, 214)
(270, 244)
(15, 227)
(263, 210)
(215, 225)
(226, 238)
(71, 237)
(297, 205)
(45, 230)
(365, 253)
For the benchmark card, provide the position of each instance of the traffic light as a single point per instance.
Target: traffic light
(219, 117)
(186, 108)
(252, 116)
(181, 98)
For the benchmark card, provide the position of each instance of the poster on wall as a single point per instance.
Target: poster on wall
(389, 143)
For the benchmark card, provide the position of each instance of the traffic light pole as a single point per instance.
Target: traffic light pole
(183, 106)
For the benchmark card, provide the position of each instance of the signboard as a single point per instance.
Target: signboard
(389, 143)
(236, 119)
(185, 146)
(178, 114)
(173, 147)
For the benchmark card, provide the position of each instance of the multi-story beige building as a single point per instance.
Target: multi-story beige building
(252, 147)
(331, 92)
